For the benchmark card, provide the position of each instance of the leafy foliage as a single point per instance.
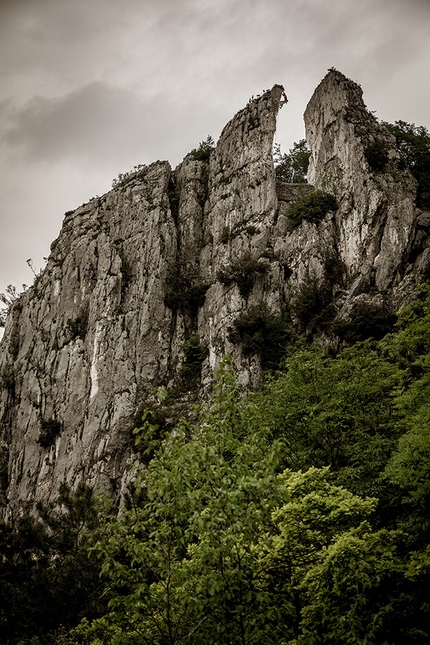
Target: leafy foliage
(8, 374)
(194, 355)
(261, 332)
(244, 272)
(9, 298)
(184, 290)
(312, 207)
(414, 144)
(292, 167)
(376, 155)
(204, 150)
(328, 412)
(48, 580)
(123, 178)
(126, 273)
(51, 428)
(367, 319)
(312, 305)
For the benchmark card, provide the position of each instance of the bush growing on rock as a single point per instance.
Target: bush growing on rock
(244, 272)
(376, 155)
(313, 207)
(51, 428)
(203, 152)
(263, 333)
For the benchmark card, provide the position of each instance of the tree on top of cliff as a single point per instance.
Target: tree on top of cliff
(7, 299)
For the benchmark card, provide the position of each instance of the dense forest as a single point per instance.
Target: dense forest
(297, 513)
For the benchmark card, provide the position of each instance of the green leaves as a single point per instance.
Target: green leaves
(277, 517)
(313, 207)
(414, 144)
(336, 412)
(292, 167)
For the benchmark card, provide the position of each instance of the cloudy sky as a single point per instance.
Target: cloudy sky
(90, 88)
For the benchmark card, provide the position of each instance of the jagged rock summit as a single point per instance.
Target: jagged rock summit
(170, 259)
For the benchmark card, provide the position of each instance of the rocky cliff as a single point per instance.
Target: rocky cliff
(158, 270)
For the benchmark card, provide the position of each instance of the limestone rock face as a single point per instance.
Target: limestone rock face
(170, 255)
(355, 158)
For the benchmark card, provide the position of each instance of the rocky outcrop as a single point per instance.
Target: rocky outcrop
(355, 158)
(173, 255)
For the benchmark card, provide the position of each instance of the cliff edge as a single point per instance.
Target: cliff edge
(169, 259)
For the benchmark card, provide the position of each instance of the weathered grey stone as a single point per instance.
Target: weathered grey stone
(376, 212)
(136, 272)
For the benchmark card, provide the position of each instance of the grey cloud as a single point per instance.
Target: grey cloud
(99, 124)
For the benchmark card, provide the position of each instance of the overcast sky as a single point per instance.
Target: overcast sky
(90, 88)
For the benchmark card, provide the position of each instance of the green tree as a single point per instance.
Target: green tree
(48, 582)
(323, 564)
(409, 466)
(8, 299)
(414, 144)
(312, 207)
(334, 411)
(180, 564)
(203, 152)
(292, 167)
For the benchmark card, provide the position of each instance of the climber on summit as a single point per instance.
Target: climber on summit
(284, 99)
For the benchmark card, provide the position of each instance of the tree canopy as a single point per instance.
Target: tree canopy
(414, 144)
(292, 167)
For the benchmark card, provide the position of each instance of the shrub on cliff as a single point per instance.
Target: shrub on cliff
(184, 290)
(376, 155)
(202, 153)
(194, 355)
(263, 333)
(244, 272)
(313, 207)
(50, 429)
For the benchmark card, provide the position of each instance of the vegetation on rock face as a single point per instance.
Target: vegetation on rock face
(202, 153)
(184, 290)
(312, 306)
(8, 299)
(126, 274)
(366, 319)
(124, 177)
(51, 428)
(8, 375)
(312, 207)
(376, 155)
(243, 272)
(261, 332)
(194, 355)
(414, 144)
